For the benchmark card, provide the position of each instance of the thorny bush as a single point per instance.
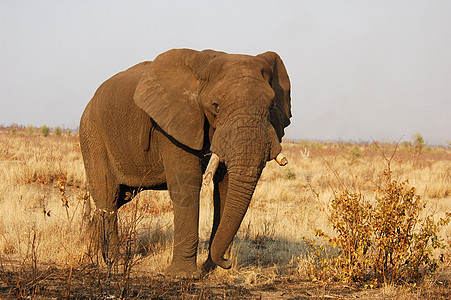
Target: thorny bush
(381, 241)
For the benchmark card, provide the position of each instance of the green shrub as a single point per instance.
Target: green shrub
(383, 241)
(419, 143)
(58, 131)
(44, 130)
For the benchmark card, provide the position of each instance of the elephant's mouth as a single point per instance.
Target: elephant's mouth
(214, 162)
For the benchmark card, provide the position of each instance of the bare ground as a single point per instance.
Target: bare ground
(90, 283)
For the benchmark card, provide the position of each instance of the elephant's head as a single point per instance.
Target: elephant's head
(246, 102)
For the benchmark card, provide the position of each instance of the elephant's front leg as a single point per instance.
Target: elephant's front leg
(184, 176)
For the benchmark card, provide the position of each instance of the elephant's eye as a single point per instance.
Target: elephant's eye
(215, 106)
(272, 105)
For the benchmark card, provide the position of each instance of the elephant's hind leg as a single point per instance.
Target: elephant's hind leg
(103, 228)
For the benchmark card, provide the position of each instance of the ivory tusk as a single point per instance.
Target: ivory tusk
(281, 159)
(211, 168)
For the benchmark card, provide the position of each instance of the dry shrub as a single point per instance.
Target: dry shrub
(386, 240)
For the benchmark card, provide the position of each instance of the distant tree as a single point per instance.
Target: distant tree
(45, 130)
(58, 131)
(418, 142)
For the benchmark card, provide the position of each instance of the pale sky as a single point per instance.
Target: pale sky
(359, 70)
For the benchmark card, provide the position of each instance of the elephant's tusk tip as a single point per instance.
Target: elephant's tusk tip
(281, 159)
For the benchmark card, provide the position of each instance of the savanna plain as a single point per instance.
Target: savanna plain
(45, 208)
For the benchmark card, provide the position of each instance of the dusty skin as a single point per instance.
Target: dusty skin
(43, 257)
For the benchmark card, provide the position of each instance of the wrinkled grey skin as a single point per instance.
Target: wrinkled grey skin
(153, 126)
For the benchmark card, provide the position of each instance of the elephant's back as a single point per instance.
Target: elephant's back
(112, 115)
(116, 93)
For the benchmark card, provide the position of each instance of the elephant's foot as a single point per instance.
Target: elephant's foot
(208, 266)
(183, 270)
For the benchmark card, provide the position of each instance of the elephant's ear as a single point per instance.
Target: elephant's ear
(168, 93)
(280, 114)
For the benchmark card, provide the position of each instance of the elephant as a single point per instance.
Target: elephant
(186, 117)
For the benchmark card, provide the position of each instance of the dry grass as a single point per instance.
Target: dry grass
(42, 253)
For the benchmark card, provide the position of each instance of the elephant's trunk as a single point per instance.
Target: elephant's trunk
(243, 177)
(239, 194)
